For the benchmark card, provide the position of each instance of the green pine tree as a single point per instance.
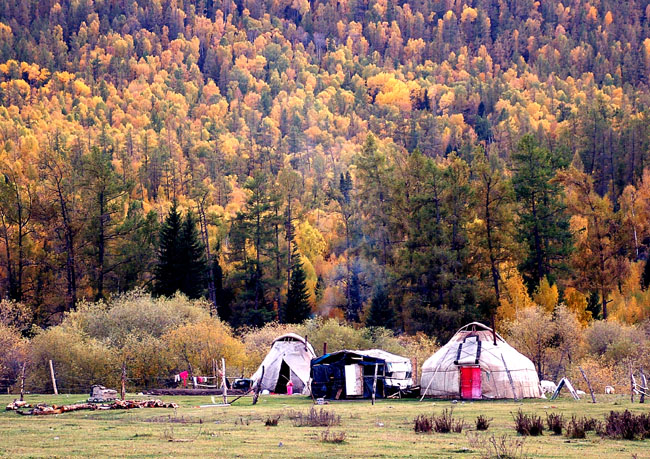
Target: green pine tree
(297, 308)
(543, 221)
(381, 313)
(193, 267)
(169, 255)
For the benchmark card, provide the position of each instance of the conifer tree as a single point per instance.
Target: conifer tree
(169, 255)
(193, 267)
(381, 313)
(297, 308)
(543, 221)
(181, 262)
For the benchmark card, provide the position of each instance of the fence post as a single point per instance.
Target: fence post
(223, 379)
(123, 391)
(22, 382)
(56, 391)
(644, 381)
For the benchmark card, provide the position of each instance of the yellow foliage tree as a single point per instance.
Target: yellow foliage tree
(514, 295)
(546, 295)
(576, 302)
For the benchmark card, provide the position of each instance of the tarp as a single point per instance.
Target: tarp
(474, 345)
(296, 353)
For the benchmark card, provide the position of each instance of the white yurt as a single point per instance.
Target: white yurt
(472, 366)
(289, 359)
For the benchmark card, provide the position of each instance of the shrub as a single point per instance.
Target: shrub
(339, 336)
(528, 424)
(576, 428)
(136, 313)
(591, 424)
(446, 423)
(315, 418)
(555, 423)
(423, 424)
(482, 423)
(443, 423)
(272, 421)
(199, 343)
(626, 426)
(502, 447)
(332, 437)
(13, 354)
(79, 361)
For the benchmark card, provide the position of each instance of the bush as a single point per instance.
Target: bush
(272, 421)
(555, 423)
(591, 424)
(315, 418)
(483, 423)
(332, 437)
(79, 361)
(626, 426)
(199, 343)
(136, 314)
(528, 424)
(423, 424)
(443, 423)
(13, 355)
(339, 336)
(446, 423)
(502, 447)
(576, 428)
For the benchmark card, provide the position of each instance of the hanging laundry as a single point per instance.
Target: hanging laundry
(184, 375)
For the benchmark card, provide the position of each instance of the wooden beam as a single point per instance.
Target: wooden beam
(593, 397)
(56, 391)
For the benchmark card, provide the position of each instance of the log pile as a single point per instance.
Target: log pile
(42, 409)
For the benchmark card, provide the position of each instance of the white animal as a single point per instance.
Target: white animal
(548, 387)
(609, 389)
(581, 392)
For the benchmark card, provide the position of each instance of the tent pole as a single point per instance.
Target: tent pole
(425, 390)
(374, 384)
(512, 384)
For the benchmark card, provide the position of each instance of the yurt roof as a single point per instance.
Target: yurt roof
(293, 337)
(484, 332)
(381, 354)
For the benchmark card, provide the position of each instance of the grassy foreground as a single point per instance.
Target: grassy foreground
(383, 430)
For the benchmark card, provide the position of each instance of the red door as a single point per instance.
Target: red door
(470, 383)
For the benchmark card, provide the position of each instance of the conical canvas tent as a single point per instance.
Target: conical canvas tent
(472, 366)
(289, 359)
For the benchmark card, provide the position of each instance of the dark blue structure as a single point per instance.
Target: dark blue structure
(329, 378)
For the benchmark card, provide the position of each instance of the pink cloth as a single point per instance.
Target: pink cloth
(289, 388)
(184, 375)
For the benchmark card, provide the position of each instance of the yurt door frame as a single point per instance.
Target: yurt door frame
(470, 382)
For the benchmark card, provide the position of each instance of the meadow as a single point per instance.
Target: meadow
(382, 430)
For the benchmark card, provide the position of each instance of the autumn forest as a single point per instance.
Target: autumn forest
(415, 165)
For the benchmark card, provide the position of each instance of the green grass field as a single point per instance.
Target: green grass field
(383, 430)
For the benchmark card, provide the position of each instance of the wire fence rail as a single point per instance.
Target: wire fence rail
(67, 382)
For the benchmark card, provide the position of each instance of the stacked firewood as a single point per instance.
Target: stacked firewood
(44, 409)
